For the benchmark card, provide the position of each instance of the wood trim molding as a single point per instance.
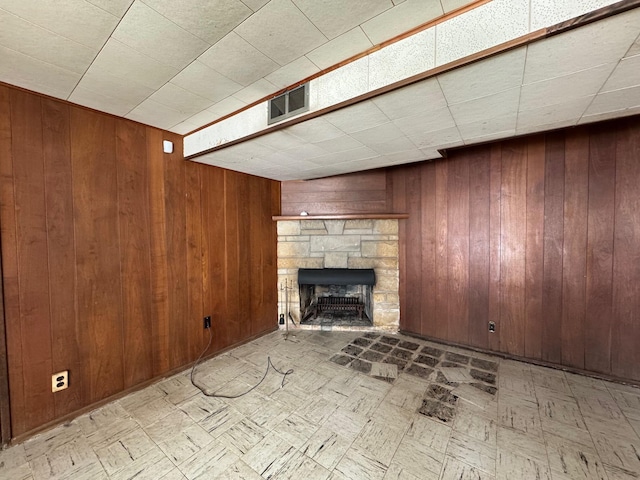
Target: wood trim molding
(349, 216)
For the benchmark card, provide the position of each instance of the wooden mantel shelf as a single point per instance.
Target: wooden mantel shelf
(347, 216)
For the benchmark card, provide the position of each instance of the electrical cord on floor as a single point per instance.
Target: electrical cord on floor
(206, 392)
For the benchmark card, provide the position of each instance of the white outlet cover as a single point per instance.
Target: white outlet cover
(59, 378)
(167, 146)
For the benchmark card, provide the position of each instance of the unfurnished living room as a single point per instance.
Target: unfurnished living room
(320, 239)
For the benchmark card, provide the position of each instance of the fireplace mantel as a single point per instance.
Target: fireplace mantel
(347, 216)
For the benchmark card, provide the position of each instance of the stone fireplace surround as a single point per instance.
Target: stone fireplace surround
(351, 243)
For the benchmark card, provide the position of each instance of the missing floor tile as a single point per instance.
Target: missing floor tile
(427, 360)
(381, 347)
(362, 342)
(456, 357)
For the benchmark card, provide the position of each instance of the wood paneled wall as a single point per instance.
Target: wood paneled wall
(113, 251)
(540, 235)
(365, 192)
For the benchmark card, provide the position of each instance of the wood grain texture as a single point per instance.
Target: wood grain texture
(534, 266)
(106, 243)
(413, 235)
(599, 258)
(442, 264)
(429, 322)
(575, 245)
(495, 243)
(625, 338)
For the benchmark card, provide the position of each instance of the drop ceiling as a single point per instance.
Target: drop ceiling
(181, 65)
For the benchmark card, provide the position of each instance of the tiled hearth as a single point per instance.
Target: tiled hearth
(360, 244)
(333, 422)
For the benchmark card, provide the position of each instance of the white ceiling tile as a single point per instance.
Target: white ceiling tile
(98, 101)
(339, 144)
(292, 73)
(206, 82)
(546, 127)
(37, 42)
(202, 118)
(634, 49)
(205, 19)
(488, 126)
(491, 106)
(421, 97)
(609, 115)
(386, 132)
(121, 61)
(426, 122)
(226, 106)
(334, 17)
(626, 74)
(561, 89)
(238, 60)
(342, 84)
(557, 56)
(256, 91)
(490, 137)
(445, 138)
(181, 100)
(483, 27)
(545, 13)
(359, 153)
(148, 32)
(76, 20)
(157, 115)
(480, 79)
(115, 7)
(255, 5)
(403, 59)
(400, 144)
(571, 110)
(340, 48)
(615, 100)
(400, 19)
(281, 32)
(184, 128)
(33, 74)
(106, 85)
(451, 5)
(306, 151)
(357, 117)
(279, 140)
(409, 156)
(315, 130)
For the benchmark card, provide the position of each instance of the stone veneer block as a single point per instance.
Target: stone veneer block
(387, 318)
(294, 263)
(336, 260)
(334, 227)
(372, 262)
(335, 243)
(311, 225)
(380, 249)
(386, 227)
(288, 227)
(293, 249)
(386, 283)
(358, 225)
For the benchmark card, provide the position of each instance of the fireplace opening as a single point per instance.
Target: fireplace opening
(340, 296)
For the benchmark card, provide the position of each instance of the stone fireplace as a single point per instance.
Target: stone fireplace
(341, 244)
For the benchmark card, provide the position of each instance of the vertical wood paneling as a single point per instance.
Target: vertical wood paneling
(575, 244)
(514, 200)
(135, 249)
(534, 268)
(95, 193)
(397, 184)
(625, 354)
(428, 325)
(553, 247)
(31, 236)
(244, 300)
(193, 191)
(479, 246)
(599, 258)
(495, 245)
(413, 232)
(458, 248)
(230, 327)
(9, 243)
(442, 265)
(61, 251)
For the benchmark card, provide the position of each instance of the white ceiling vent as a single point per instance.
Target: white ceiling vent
(289, 104)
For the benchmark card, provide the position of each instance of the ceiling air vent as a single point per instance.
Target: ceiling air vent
(289, 104)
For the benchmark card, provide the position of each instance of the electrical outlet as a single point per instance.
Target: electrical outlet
(59, 381)
(492, 327)
(207, 322)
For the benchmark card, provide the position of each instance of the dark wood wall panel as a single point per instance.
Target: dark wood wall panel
(357, 193)
(539, 234)
(113, 251)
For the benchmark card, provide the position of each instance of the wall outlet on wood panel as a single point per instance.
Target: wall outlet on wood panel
(207, 322)
(59, 381)
(492, 327)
